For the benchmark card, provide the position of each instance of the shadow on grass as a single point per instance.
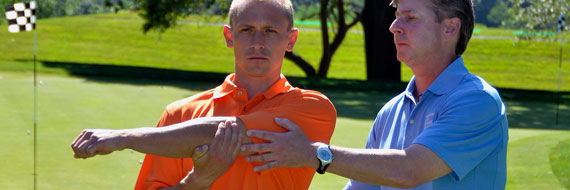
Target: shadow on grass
(352, 98)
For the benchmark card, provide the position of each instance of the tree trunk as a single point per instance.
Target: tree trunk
(299, 61)
(381, 61)
(327, 54)
(330, 48)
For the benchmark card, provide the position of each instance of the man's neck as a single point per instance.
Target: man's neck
(427, 72)
(255, 85)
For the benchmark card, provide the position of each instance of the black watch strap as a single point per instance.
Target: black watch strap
(321, 169)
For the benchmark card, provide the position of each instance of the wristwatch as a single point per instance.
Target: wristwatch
(325, 156)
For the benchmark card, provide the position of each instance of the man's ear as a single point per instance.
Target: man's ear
(452, 27)
(293, 34)
(228, 36)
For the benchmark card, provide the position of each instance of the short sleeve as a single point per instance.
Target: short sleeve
(312, 112)
(468, 129)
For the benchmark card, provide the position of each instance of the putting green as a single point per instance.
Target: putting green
(560, 162)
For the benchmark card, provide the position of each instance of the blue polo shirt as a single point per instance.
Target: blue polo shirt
(460, 117)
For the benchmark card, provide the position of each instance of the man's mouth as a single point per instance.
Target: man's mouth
(257, 58)
(398, 43)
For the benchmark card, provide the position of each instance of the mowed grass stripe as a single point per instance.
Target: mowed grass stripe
(560, 162)
(529, 164)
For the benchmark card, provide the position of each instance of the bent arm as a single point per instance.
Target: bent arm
(406, 168)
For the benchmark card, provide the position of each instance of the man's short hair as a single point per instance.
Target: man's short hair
(285, 5)
(462, 9)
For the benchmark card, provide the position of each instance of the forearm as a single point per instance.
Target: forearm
(407, 168)
(178, 140)
(379, 167)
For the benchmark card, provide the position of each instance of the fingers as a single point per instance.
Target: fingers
(216, 142)
(227, 136)
(287, 124)
(266, 166)
(268, 136)
(75, 144)
(82, 148)
(262, 157)
(260, 147)
(236, 140)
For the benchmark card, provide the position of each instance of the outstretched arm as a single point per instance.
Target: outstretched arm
(398, 168)
(177, 141)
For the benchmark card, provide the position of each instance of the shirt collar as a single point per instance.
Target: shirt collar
(281, 86)
(449, 79)
(410, 88)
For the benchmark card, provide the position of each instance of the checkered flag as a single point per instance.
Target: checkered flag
(21, 16)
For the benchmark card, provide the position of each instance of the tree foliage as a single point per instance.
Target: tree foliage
(160, 15)
(336, 18)
(538, 15)
(341, 15)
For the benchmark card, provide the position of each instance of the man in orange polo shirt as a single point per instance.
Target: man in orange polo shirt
(259, 32)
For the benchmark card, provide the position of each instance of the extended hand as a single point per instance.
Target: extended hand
(290, 149)
(97, 141)
(210, 162)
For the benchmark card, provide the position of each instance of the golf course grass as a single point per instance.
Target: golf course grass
(69, 104)
(71, 97)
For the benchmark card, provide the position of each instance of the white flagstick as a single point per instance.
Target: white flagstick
(35, 103)
(561, 22)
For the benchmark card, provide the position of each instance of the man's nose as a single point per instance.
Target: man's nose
(395, 27)
(258, 40)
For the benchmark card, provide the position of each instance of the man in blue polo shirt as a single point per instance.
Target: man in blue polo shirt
(447, 130)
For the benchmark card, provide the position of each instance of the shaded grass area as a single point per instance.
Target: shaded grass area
(358, 99)
(69, 104)
(560, 162)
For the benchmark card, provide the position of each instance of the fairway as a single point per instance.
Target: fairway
(69, 104)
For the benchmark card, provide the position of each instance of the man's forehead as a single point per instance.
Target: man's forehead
(260, 12)
(414, 8)
(412, 5)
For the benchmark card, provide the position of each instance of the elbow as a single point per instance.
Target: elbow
(406, 180)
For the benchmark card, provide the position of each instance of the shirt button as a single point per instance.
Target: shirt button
(240, 93)
(411, 121)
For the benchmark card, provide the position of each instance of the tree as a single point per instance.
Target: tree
(381, 61)
(498, 15)
(160, 15)
(537, 15)
(482, 8)
(335, 12)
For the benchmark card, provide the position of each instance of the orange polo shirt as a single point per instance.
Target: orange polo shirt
(311, 110)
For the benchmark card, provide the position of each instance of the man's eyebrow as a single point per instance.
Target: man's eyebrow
(407, 11)
(243, 25)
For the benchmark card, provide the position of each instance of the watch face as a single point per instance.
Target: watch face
(324, 154)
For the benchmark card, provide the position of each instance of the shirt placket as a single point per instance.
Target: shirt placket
(411, 122)
(251, 103)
